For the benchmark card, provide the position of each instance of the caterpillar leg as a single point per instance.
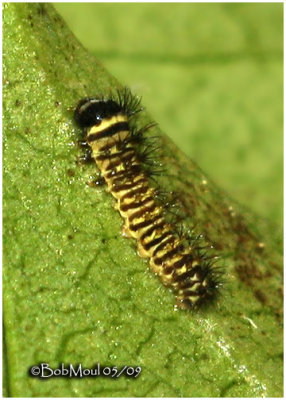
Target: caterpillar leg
(86, 158)
(96, 182)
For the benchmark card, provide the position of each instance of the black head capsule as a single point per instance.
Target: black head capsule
(90, 112)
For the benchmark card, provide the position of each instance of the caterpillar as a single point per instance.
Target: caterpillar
(112, 142)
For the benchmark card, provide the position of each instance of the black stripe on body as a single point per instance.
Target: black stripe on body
(163, 245)
(132, 172)
(129, 185)
(140, 213)
(135, 204)
(113, 164)
(144, 224)
(125, 161)
(168, 255)
(168, 270)
(108, 156)
(192, 293)
(183, 280)
(155, 227)
(106, 147)
(149, 245)
(110, 131)
(185, 258)
(138, 190)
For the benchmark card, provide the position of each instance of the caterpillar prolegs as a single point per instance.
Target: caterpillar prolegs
(106, 125)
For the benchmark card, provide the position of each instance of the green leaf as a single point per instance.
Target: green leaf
(75, 290)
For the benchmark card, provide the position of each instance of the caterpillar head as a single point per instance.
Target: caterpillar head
(91, 112)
